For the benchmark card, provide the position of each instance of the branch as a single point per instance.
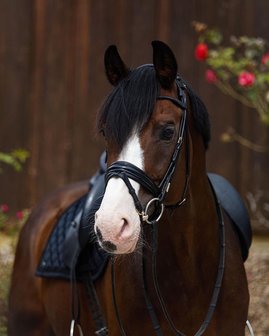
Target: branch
(228, 89)
(232, 135)
(262, 109)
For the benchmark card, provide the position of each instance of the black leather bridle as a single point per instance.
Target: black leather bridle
(126, 170)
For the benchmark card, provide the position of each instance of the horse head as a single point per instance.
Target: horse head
(144, 121)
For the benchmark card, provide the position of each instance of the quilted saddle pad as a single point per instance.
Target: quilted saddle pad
(89, 258)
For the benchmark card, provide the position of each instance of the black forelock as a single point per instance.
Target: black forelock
(130, 104)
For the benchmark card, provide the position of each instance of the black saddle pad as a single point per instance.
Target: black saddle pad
(72, 243)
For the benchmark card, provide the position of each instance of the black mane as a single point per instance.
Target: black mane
(200, 116)
(130, 105)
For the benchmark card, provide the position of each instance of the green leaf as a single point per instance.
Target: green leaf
(14, 159)
(20, 154)
(213, 36)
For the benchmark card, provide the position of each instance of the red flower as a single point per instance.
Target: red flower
(265, 59)
(19, 215)
(246, 79)
(201, 52)
(4, 208)
(210, 76)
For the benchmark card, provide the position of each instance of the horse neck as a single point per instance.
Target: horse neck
(190, 233)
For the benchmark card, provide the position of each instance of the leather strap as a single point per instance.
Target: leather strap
(95, 307)
(133, 173)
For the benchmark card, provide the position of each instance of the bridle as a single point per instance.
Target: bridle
(126, 170)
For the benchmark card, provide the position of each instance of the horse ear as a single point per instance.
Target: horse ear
(115, 68)
(165, 64)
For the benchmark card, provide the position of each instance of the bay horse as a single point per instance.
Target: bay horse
(176, 267)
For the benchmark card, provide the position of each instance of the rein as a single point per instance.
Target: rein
(218, 282)
(150, 307)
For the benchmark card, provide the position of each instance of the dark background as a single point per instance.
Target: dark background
(52, 83)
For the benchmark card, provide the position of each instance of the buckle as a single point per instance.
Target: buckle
(72, 328)
(102, 331)
(158, 217)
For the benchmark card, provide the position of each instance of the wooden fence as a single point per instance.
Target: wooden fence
(52, 82)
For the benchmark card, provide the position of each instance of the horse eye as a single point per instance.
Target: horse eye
(167, 133)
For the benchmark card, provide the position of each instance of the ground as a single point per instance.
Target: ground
(257, 267)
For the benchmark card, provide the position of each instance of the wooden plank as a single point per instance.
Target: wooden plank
(15, 35)
(52, 81)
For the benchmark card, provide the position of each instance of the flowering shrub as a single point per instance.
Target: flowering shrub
(201, 52)
(15, 159)
(240, 69)
(3, 215)
(7, 222)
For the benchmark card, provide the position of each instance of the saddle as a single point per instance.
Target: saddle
(234, 207)
(71, 244)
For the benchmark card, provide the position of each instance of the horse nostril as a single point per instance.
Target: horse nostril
(125, 229)
(99, 234)
(124, 225)
(108, 246)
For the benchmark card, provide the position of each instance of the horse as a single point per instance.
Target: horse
(174, 259)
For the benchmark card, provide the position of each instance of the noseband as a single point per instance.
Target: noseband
(126, 170)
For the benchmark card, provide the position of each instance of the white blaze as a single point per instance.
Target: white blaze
(117, 218)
